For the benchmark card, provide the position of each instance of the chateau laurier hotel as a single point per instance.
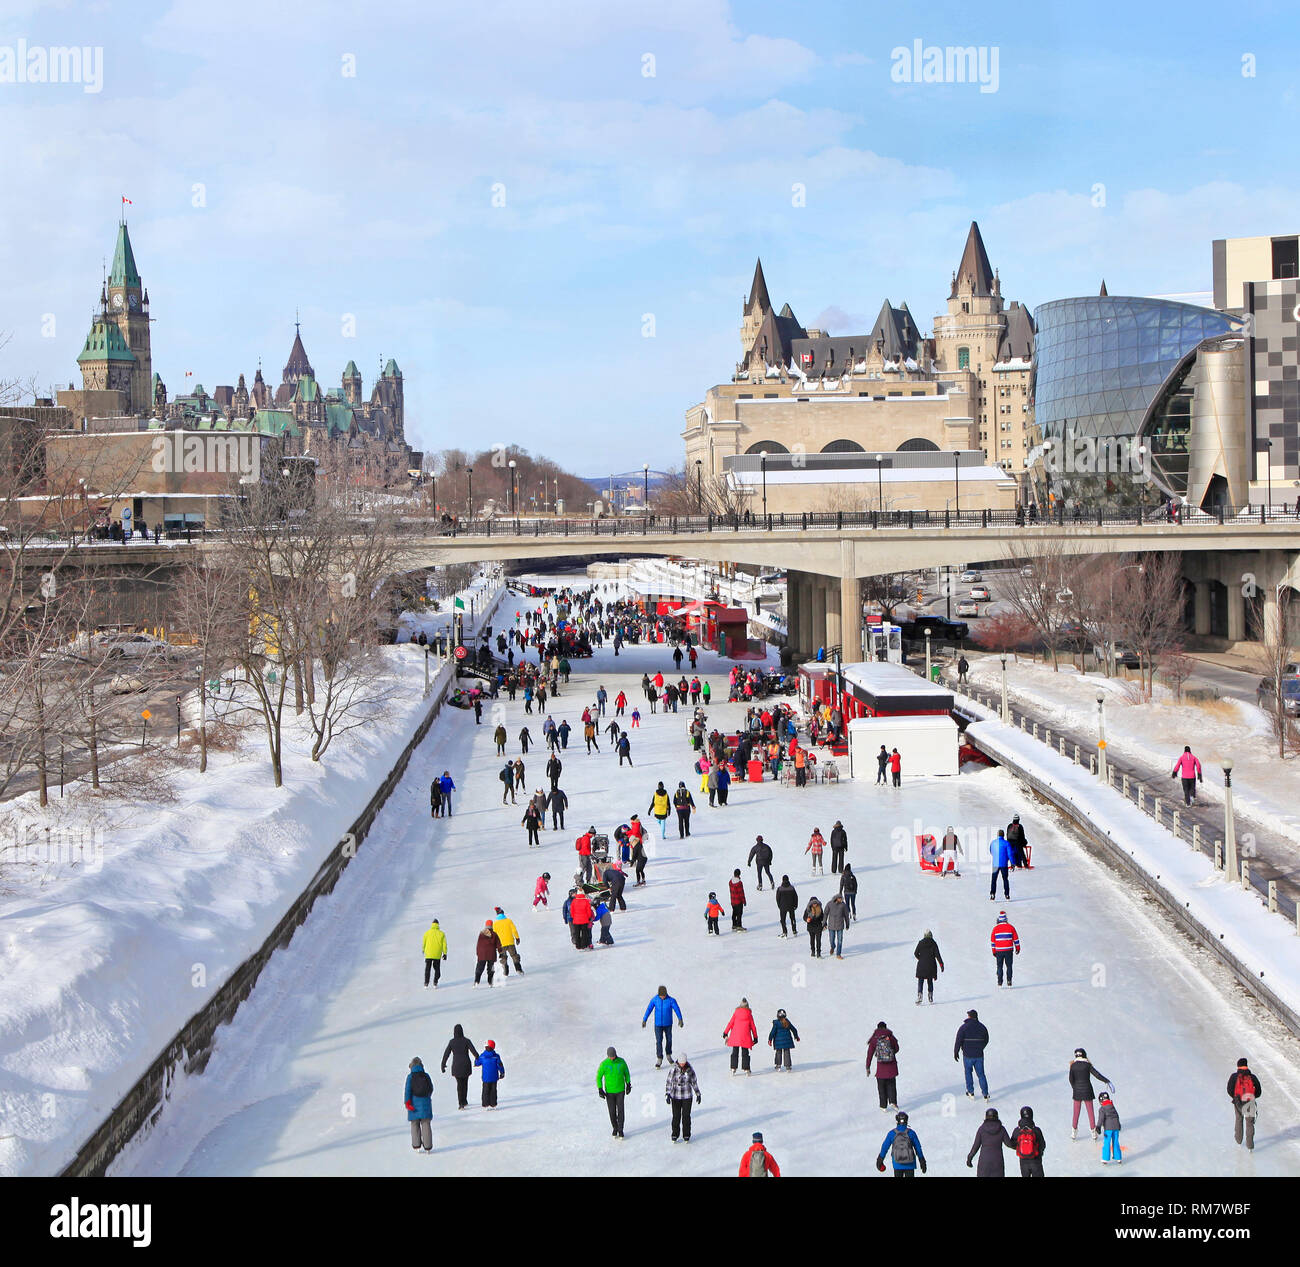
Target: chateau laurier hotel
(876, 420)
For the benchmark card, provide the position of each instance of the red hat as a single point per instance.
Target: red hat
(487, 923)
(490, 1045)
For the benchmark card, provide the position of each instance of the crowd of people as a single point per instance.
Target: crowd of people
(769, 736)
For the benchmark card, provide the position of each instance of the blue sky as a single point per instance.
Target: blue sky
(624, 194)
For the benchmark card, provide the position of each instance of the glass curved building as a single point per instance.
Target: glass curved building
(1099, 361)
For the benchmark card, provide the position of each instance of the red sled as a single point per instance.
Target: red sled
(922, 860)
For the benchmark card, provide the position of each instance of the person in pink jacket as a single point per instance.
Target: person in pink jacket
(1188, 768)
(542, 889)
(740, 1035)
(816, 847)
(705, 766)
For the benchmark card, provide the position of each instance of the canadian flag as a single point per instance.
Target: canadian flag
(126, 202)
(189, 373)
(806, 358)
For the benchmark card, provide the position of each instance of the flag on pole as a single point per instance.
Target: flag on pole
(126, 202)
(458, 604)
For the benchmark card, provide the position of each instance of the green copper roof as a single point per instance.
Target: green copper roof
(307, 389)
(391, 370)
(105, 343)
(338, 416)
(276, 422)
(350, 370)
(124, 271)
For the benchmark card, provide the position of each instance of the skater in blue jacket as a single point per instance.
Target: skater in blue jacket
(493, 1071)
(903, 1149)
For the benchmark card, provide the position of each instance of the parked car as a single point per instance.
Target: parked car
(971, 575)
(1125, 656)
(967, 607)
(940, 627)
(125, 684)
(1027, 571)
(133, 646)
(980, 592)
(1266, 696)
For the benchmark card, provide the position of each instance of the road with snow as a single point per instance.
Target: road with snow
(308, 1078)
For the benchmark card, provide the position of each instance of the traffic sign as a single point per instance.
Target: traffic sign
(461, 653)
(146, 714)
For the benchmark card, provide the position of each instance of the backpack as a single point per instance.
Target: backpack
(757, 1163)
(1244, 1088)
(421, 1084)
(902, 1151)
(1026, 1142)
(884, 1050)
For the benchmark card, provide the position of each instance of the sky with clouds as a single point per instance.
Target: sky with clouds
(505, 191)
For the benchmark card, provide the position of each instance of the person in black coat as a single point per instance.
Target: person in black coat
(1081, 1075)
(684, 803)
(557, 802)
(615, 878)
(1029, 1145)
(839, 846)
(460, 1051)
(929, 964)
(639, 861)
(849, 890)
(760, 858)
(990, 1140)
(787, 903)
(1244, 1090)
(1016, 839)
(968, 1047)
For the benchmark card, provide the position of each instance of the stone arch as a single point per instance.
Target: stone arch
(918, 444)
(843, 446)
(767, 446)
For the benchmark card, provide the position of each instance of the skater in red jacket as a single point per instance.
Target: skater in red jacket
(736, 886)
(758, 1163)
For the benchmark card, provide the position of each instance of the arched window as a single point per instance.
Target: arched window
(767, 446)
(918, 444)
(843, 446)
(963, 358)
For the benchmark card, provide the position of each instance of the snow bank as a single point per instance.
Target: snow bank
(1263, 944)
(128, 921)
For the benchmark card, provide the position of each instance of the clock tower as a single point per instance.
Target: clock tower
(127, 307)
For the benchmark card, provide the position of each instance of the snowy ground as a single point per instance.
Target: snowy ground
(1264, 787)
(308, 1079)
(123, 921)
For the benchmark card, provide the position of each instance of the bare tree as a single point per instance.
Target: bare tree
(1276, 661)
(209, 608)
(1176, 666)
(1038, 588)
(1149, 608)
(682, 493)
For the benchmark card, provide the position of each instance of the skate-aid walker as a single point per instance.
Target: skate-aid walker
(597, 888)
(927, 854)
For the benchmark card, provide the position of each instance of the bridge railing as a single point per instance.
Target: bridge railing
(811, 521)
(837, 521)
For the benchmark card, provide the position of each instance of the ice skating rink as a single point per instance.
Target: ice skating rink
(308, 1080)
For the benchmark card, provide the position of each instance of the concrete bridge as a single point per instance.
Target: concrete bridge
(826, 556)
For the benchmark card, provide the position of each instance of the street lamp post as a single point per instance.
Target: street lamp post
(1268, 467)
(927, 653)
(1101, 738)
(880, 484)
(699, 486)
(514, 501)
(762, 462)
(1006, 713)
(956, 483)
(645, 471)
(1229, 823)
(469, 475)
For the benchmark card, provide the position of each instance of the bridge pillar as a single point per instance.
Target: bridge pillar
(807, 598)
(1201, 608)
(793, 603)
(818, 612)
(834, 628)
(851, 618)
(1236, 603)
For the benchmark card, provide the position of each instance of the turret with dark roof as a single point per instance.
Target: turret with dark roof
(297, 366)
(974, 274)
(124, 271)
(758, 296)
